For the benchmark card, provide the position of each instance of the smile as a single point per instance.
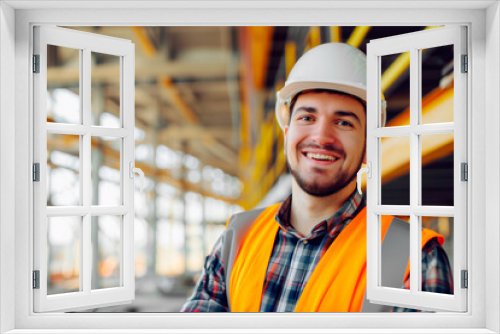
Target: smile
(321, 157)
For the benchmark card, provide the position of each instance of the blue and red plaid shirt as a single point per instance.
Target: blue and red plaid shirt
(294, 258)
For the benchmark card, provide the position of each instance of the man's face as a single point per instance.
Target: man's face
(325, 142)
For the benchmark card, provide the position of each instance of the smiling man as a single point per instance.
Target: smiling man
(308, 253)
(325, 146)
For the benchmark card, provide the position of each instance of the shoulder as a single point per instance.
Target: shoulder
(246, 217)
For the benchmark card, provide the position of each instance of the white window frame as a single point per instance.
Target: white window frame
(16, 21)
(414, 43)
(85, 43)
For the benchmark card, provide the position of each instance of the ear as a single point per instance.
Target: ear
(285, 131)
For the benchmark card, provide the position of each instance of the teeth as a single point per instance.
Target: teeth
(321, 156)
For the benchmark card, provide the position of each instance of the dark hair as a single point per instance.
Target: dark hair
(320, 90)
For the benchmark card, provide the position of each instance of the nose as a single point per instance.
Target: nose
(324, 133)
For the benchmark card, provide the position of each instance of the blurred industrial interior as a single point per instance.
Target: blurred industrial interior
(209, 145)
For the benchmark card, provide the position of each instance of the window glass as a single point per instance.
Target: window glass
(444, 226)
(63, 85)
(105, 91)
(437, 85)
(437, 169)
(395, 87)
(106, 176)
(106, 257)
(395, 167)
(392, 273)
(63, 170)
(63, 254)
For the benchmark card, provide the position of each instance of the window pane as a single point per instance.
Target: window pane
(63, 254)
(395, 166)
(106, 171)
(440, 279)
(392, 273)
(437, 85)
(437, 169)
(105, 95)
(63, 170)
(63, 85)
(106, 251)
(395, 85)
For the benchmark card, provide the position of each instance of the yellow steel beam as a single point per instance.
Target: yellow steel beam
(290, 56)
(358, 35)
(264, 174)
(336, 34)
(261, 39)
(314, 37)
(144, 41)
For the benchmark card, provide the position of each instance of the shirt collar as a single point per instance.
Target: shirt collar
(354, 204)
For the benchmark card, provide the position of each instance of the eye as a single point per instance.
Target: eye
(305, 118)
(344, 123)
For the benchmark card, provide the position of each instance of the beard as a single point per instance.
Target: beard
(339, 181)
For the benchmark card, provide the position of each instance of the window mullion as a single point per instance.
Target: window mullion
(127, 154)
(414, 170)
(85, 177)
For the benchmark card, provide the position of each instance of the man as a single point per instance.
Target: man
(309, 252)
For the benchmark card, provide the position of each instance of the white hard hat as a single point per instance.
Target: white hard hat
(334, 66)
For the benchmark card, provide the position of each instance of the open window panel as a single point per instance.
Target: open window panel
(83, 232)
(423, 148)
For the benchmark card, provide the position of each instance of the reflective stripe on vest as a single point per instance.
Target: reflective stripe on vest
(345, 288)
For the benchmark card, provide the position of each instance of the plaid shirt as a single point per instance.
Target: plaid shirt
(294, 258)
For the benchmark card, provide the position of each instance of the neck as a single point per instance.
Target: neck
(307, 210)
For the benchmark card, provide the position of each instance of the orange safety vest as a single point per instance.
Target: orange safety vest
(340, 274)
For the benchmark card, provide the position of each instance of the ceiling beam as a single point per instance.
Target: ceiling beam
(190, 116)
(105, 73)
(194, 132)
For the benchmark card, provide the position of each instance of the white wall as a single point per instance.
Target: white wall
(7, 283)
(492, 164)
(486, 112)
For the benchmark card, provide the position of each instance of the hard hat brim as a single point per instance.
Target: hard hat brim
(296, 87)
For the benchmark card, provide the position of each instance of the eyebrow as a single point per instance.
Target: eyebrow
(337, 113)
(304, 108)
(348, 114)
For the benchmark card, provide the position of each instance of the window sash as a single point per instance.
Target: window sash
(413, 43)
(86, 297)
